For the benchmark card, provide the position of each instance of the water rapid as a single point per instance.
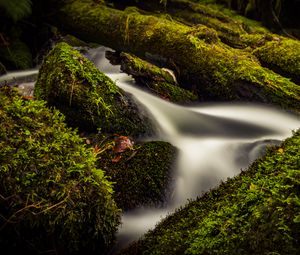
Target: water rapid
(215, 141)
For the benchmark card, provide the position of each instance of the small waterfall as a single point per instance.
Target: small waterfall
(215, 141)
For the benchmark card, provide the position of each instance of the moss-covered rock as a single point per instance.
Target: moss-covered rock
(141, 172)
(159, 81)
(52, 197)
(256, 212)
(88, 98)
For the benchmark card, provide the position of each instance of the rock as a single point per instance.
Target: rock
(90, 100)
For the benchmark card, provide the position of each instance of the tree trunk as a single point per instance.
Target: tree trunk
(202, 62)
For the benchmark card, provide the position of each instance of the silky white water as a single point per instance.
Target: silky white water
(215, 141)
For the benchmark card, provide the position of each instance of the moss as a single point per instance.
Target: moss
(156, 80)
(73, 41)
(136, 65)
(282, 55)
(256, 212)
(214, 69)
(48, 180)
(88, 98)
(142, 173)
(239, 32)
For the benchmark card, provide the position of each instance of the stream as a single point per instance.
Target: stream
(215, 141)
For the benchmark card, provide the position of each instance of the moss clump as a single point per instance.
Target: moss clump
(156, 80)
(141, 173)
(257, 212)
(52, 197)
(88, 98)
(282, 55)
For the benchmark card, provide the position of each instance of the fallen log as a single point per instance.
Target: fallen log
(279, 53)
(203, 63)
(158, 81)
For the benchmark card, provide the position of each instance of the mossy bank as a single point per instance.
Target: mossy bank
(256, 212)
(48, 180)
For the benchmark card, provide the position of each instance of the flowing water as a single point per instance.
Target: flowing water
(215, 141)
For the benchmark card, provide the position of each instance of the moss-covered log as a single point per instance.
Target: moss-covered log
(88, 98)
(141, 172)
(256, 212)
(214, 70)
(278, 53)
(159, 81)
(53, 199)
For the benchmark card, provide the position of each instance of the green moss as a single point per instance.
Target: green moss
(156, 80)
(88, 98)
(276, 52)
(256, 212)
(214, 69)
(138, 66)
(48, 180)
(142, 174)
(282, 55)
(73, 41)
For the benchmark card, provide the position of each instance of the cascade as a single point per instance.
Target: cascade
(215, 141)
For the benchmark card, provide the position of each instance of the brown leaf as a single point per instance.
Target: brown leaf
(116, 159)
(122, 143)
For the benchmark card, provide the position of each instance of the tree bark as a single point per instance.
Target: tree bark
(202, 62)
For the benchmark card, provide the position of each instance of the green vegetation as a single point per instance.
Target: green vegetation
(215, 70)
(282, 55)
(52, 197)
(142, 172)
(88, 98)
(16, 9)
(256, 212)
(156, 80)
(236, 31)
